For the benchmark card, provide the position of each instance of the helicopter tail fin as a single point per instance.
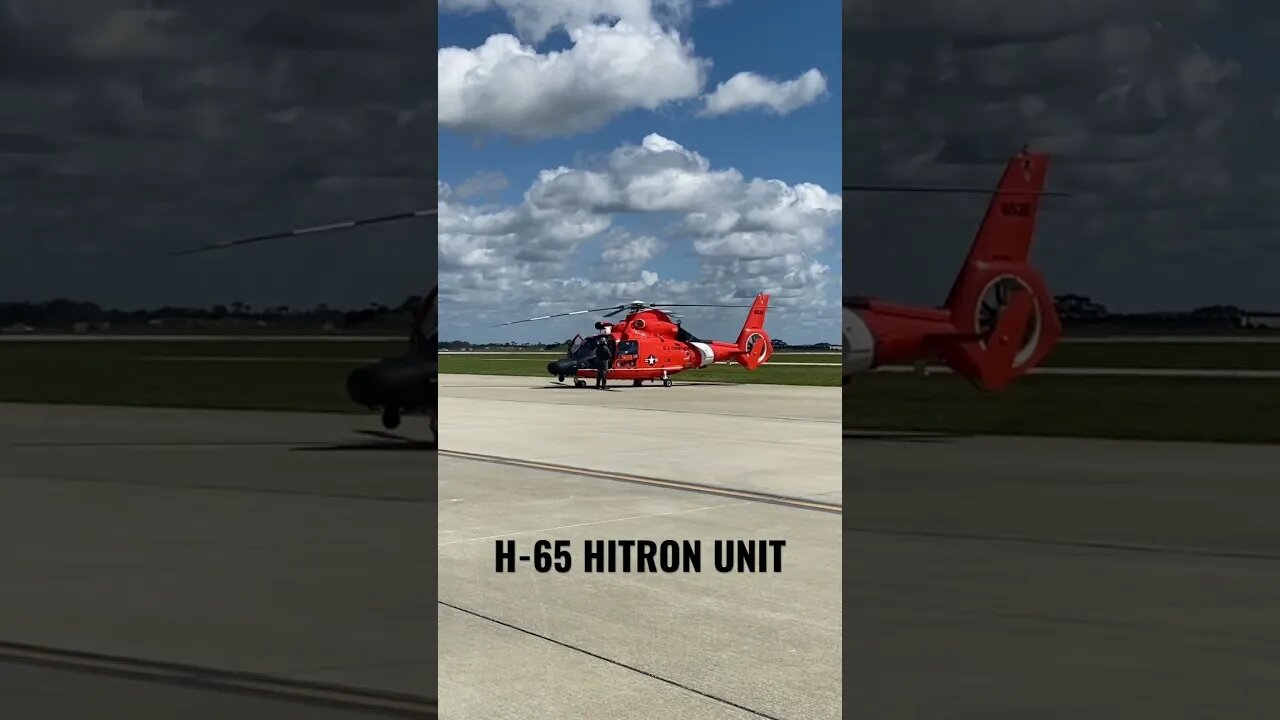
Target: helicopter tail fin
(999, 301)
(754, 345)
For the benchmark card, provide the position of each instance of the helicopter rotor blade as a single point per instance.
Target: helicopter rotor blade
(617, 309)
(548, 317)
(309, 231)
(696, 305)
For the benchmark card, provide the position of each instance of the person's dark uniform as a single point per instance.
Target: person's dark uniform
(604, 356)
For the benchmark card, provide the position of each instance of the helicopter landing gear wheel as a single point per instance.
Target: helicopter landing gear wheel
(637, 383)
(391, 418)
(666, 383)
(561, 378)
(579, 383)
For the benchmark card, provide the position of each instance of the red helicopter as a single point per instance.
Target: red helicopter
(650, 344)
(998, 321)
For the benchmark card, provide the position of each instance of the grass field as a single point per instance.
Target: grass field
(1225, 356)
(310, 376)
(238, 375)
(1134, 408)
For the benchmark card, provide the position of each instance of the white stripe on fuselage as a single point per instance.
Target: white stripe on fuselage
(708, 355)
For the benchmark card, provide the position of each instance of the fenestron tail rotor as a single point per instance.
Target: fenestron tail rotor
(347, 225)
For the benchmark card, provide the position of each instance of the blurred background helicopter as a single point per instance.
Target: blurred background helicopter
(998, 321)
(398, 385)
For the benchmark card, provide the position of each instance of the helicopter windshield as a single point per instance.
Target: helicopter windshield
(584, 349)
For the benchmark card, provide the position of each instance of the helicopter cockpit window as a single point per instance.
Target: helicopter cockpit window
(586, 348)
(628, 347)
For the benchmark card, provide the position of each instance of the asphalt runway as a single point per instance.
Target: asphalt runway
(524, 460)
(273, 543)
(1060, 578)
(42, 693)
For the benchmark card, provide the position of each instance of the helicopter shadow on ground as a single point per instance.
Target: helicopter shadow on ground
(379, 441)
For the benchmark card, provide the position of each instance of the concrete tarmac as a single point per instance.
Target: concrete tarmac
(1060, 578)
(770, 438)
(274, 543)
(694, 646)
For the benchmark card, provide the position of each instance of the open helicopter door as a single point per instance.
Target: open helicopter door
(425, 334)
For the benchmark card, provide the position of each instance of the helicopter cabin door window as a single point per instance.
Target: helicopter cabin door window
(628, 350)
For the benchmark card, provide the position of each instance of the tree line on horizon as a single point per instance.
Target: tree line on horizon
(63, 313)
(1078, 313)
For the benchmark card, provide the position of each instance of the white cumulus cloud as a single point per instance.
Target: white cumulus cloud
(749, 91)
(534, 20)
(623, 55)
(741, 236)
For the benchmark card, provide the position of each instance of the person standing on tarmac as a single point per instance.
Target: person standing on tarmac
(604, 357)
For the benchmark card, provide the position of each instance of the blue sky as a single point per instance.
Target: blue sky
(797, 145)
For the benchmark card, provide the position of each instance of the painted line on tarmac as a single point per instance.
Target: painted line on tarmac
(1102, 545)
(751, 495)
(392, 704)
(611, 661)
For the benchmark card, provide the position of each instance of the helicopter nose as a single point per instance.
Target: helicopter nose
(363, 386)
(562, 367)
(400, 382)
